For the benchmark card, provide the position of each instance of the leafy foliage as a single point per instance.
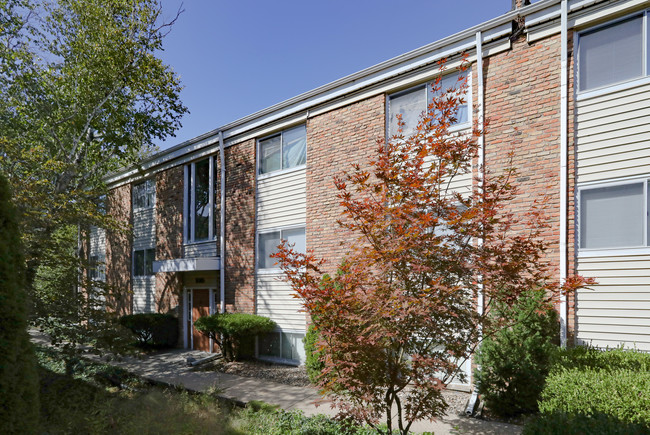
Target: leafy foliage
(152, 329)
(516, 360)
(229, 329)
(313, 362)
(562, 424)
(83, 95)
(69, 307)
(18, 377)
(399, 317)
(612, 387)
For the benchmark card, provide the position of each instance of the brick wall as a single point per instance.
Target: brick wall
(169, 236)
(522, 104)
(118, 251)
(572, 178)
(336, 140)
(240, 227)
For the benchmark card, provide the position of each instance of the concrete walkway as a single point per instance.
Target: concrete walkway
(170, 367)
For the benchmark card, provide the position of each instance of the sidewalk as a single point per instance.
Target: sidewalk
(170, 367)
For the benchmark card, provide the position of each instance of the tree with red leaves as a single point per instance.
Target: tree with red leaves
(400, 316)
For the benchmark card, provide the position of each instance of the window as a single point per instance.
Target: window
(611, 54)
(143, 262)
(201, 200)
(268, 244)
(281, 345)
(614, 216)
(283, 151)
(411, 104)
(144, 194)
(97, 268)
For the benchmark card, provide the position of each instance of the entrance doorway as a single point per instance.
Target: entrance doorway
(199, 304)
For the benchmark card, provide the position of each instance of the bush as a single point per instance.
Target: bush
(313, 363)
(563, 424)
(515, 362)
(18, 374)
(230, 330)
(606, 390)
(152, 329)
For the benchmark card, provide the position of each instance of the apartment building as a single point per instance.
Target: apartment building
(564, 85)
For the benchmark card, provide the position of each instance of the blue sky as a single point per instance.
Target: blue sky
(239, 56)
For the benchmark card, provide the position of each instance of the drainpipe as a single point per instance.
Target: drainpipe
(564, 106)
(473, 401)
(222, 227)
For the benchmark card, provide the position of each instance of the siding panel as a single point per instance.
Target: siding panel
(275, 300)
(281, 200)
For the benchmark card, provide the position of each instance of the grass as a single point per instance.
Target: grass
(101, 399)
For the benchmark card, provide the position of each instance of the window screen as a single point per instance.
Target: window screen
(611, 54)
(612, 217)
(268, 243)
(411, 105)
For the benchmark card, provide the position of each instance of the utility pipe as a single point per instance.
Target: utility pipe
(564, 106)
(222, 227)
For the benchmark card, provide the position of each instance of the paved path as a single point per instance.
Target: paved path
(170, 367)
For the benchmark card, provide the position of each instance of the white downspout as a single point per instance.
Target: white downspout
(222, 228)
(473, 401)
(564, 106)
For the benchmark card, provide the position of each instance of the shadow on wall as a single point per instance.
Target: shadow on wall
(240, 227)
(118, 252)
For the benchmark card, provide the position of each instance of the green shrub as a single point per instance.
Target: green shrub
(563, 424)
(152, 329)
(515, 362)
(231, 330)
(610, 386)
(18, 374)
(313, 363)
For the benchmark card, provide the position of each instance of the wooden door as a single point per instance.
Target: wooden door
(200, 308)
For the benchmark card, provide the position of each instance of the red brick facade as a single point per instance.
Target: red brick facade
(336, 140)
(118, 251)
(240, 227)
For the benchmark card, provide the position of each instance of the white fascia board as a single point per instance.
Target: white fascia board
(187, 265)
(298, 106)
(603, 9)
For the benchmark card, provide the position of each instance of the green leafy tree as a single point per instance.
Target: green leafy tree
(83, 94)
(19, 407)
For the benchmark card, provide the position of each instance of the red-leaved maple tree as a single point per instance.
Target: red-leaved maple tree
(400, 315)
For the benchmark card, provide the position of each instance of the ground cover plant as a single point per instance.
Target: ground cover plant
(398, 317)
(152, 329)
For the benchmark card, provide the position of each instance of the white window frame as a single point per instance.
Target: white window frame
(273, 270)
(619, 85)
(149, 187)
(427, 87)
(623, 250)
(189, 203)
(258, 169)
(279, 359)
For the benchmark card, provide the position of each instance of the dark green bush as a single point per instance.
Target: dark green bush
(152, 329)
(231, 330)
(562, 424)
(515, 362)
(590, 385)
(18, 374)
(313, 363)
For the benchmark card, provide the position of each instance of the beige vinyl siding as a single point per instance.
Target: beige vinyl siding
(612, 135)
(200, 250)
(144, 290)
(617, 309)
(281, 200)
(98, 242)
(144, 229)
(275, 300)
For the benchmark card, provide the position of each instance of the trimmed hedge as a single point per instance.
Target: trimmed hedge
(152, 329)
(231, 330)
(608, 391)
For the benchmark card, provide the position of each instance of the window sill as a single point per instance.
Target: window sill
(270, 271)
(613, 252)
(281, 172)
(199, 242)
(143, 277)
